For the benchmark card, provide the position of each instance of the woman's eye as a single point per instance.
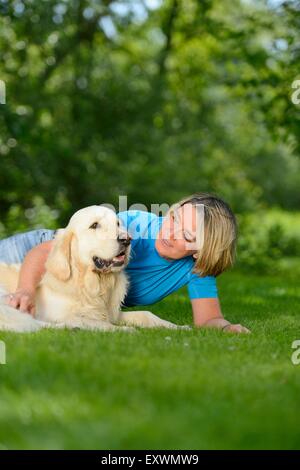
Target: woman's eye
(187, 238)
(95, 225)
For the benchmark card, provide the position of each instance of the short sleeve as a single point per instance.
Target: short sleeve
(202, 287)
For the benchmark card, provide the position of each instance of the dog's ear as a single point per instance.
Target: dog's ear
(59, 260)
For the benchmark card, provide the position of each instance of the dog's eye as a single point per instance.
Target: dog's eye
(95, 225)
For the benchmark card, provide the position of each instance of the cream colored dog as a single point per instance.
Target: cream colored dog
(84, 283)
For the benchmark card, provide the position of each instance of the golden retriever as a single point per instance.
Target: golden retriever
(84, 283)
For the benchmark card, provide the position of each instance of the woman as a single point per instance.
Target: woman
(165, 255)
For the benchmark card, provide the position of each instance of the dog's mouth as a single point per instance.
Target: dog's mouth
(105, 264)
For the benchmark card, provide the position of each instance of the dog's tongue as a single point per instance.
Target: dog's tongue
(119, 258)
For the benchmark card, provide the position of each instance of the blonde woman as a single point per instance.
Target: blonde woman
(167, 253)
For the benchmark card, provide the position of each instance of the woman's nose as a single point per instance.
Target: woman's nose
(175, 232)
(171, 235)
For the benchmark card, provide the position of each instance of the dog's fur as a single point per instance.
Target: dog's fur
(84, 283)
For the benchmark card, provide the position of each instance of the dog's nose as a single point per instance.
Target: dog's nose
(124, 239)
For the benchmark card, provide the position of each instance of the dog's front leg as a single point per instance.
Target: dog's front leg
(92, 325)
(145, 319)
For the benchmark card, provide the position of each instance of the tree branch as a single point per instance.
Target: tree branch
(168, 29)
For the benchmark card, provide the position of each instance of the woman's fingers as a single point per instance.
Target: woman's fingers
(32, 310)
(237, 329)
(13, 301)
(25, 303)
(22, 300)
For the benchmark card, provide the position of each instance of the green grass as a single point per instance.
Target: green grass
(162, 389)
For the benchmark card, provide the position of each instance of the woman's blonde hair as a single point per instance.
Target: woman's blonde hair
(218, 249)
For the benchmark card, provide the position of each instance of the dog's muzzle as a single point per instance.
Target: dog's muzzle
(105, 264)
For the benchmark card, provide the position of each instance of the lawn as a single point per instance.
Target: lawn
(162, 389)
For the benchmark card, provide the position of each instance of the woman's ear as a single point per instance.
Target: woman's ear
(59, 260)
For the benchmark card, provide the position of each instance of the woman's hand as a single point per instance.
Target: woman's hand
(31, 273)
(230, 328)
(23, 300)
(226, 326)
(207, 314)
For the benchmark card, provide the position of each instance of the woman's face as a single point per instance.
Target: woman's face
(177, 236)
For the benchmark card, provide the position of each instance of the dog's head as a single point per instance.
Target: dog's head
(95, 238)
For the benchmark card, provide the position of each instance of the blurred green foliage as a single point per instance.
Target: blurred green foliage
(151, 99)
(267, 239)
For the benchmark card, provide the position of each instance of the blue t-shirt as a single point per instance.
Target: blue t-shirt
(152, 277)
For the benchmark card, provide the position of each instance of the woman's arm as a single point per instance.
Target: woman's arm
(31, 273)
(207, 314)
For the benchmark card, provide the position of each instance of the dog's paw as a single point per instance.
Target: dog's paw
(184, 327)
(173, 326)
(61, 326)
(165, 324)
(128, 329)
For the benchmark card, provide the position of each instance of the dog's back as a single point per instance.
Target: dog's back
(9, 275)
